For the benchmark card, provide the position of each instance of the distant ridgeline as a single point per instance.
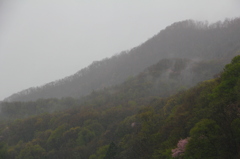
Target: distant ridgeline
(198, 42)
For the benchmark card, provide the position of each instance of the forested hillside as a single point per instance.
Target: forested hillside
(174, 96)
(187, 39)
(166, 77)
(202, 122)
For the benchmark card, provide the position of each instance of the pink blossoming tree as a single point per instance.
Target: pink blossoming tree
(180, 147)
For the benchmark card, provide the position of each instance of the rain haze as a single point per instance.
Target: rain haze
(42, 41)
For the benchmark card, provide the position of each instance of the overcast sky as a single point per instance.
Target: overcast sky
(45, 40)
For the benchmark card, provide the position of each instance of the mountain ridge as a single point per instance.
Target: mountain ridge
(185, 39)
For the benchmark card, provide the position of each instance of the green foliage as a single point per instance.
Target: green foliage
(236, 129)
(205, 141)
(32, 152)
(3, 151)
(85, 136)
(111, 152)
(71, 134)
(229, 80)
(101, 152)
(55, 139)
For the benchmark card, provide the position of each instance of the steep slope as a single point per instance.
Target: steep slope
(162, 79)
(206, 118)
(186, 39)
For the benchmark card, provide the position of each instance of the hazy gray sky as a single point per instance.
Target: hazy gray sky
(45, 40)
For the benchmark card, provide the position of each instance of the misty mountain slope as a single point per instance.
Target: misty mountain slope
(162, 79)
(186, 39)
(167, 77)
(205, 117)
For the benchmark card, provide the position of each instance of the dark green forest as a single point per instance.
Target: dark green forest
(183, 105)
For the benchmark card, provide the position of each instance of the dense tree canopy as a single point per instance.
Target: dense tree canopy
(202, 122)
